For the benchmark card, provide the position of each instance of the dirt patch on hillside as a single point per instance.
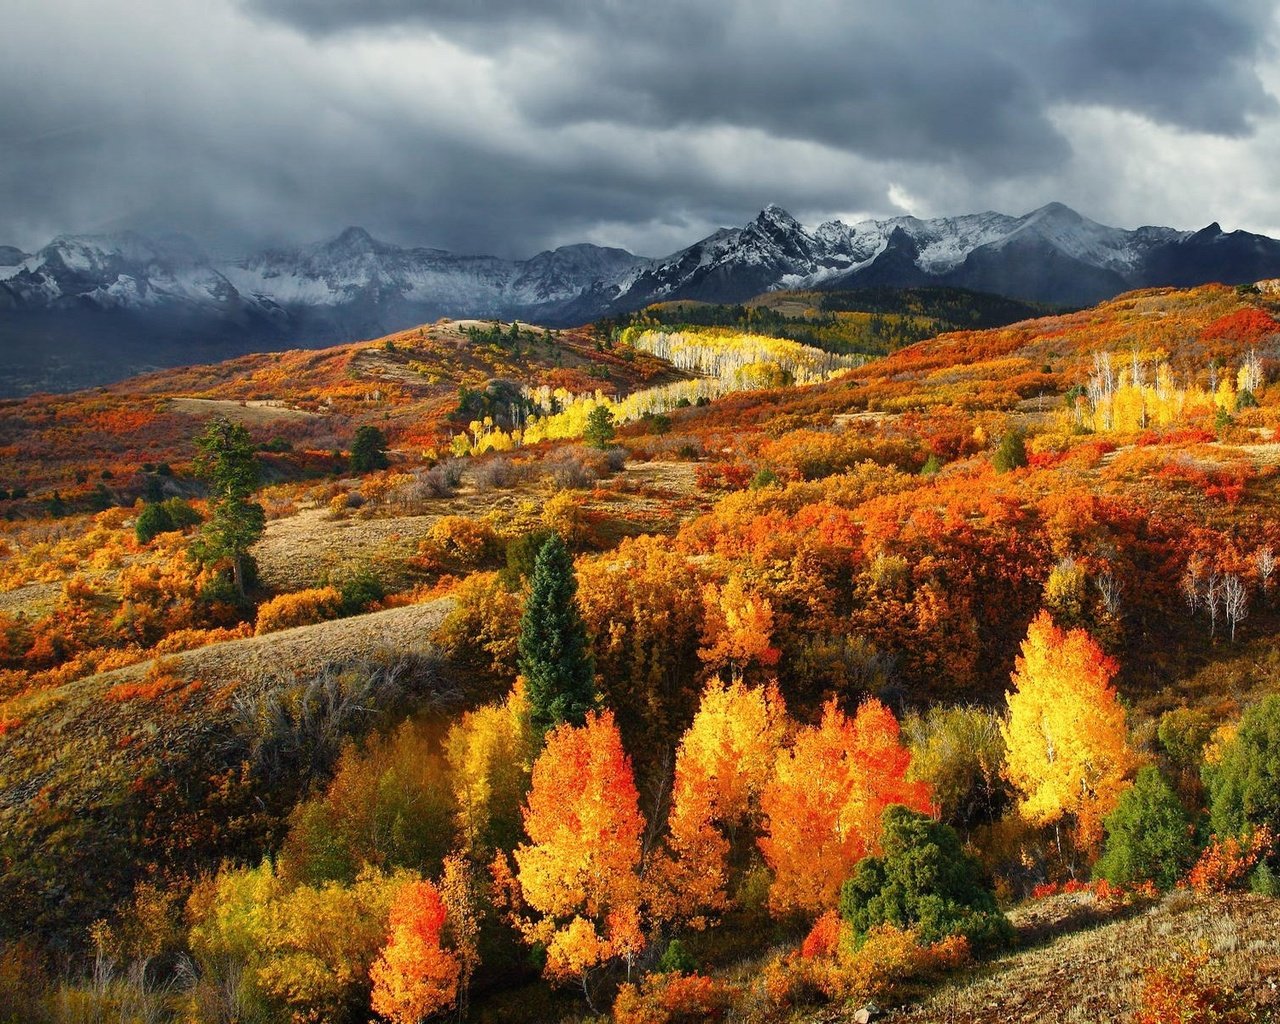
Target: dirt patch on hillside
(308, 548)
(305, 648)
(296, 651)
(250, 413)
(305, 549)
(32, 599)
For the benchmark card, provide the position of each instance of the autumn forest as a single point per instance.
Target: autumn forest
(904, 655)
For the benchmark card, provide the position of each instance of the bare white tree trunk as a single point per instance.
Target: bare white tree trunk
(1191, 586)
(1265, 561)
(1213, 600)
(1109, 589)
(1235, 600)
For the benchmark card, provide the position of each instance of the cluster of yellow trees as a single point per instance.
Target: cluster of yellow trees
(726, 361)
(726, 355)
(1142, 392)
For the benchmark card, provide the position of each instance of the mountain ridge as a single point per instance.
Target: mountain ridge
(99, 307)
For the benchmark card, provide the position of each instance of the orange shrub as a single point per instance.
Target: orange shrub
(1226, 863)
(189, 639)
(722, 476)
(1177, 992)
(829, 966)
(482, 629)
(823, 938)
(160, 681)
(566, 514)
(302, 608)
(460, 541)
(673, 999)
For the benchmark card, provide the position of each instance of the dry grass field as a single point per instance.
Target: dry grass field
(250, 413)
(1082, 964)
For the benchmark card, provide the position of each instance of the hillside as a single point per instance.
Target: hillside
(312, 401)
(873, 321)
(812, 586)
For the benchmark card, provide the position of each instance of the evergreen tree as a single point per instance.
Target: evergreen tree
(599, 430)
(226, 460)
(1148, 835)
(1244, 787)
(368, 450)
(154, 519)
(923, 880)
(1011, 453)
(554, 653)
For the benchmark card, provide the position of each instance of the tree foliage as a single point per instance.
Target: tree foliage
(1068, 744)
(924, 881)
(599, 430)
(489, 752)
(416, 976)
(579, 870)
(1149, 835)
(554, 654)
(226, 460)
(960, 752)
(368, 450)
(823, 807)
(722, 766)
(1244, 787)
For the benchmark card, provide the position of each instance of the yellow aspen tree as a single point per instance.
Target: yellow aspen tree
(1069, 755)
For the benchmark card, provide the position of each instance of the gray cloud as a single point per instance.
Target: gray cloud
(509, 125)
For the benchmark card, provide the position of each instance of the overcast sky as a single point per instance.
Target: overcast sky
(508, 126)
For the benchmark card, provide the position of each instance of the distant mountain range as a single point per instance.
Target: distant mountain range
(87, 309)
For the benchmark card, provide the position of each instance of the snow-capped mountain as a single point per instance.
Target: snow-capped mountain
(1051, 255)
(85, 309)
(353, 270)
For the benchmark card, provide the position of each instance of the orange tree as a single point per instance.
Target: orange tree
(415, 976)
(824, 805)
(724, 761)
(579, 872)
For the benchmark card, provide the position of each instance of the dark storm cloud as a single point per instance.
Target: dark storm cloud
(508, 125)
(916, 78)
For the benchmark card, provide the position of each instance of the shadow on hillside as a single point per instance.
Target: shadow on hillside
(1042, 930)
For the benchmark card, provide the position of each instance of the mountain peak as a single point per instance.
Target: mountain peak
(773, 214)
(354, 239)
(1055, 211)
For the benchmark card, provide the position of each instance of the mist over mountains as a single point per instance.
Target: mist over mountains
(89, 309)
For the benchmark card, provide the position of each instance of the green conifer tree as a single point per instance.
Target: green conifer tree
(369, 450)
(599, 430)
(554, 652)
(1148, 835)
(227, 461)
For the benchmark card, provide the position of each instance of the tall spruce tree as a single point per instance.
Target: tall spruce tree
(369, 450)
(227, 460)
(555, 654)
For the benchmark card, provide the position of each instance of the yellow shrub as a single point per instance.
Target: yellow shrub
(302, 608)
(566, 515)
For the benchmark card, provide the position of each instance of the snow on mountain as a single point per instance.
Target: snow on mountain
(354, 285)
(1051, 255)
(354, 267)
